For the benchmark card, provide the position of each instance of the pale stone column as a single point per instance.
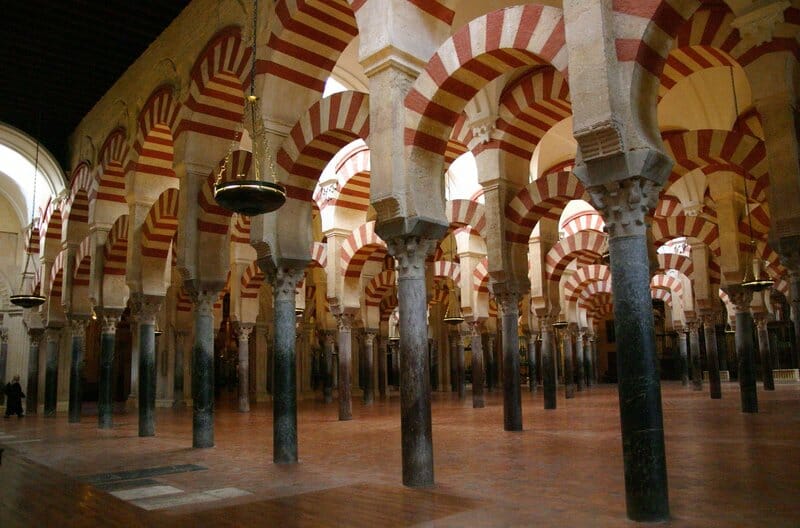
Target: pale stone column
(532, 340)
(345, 324)
(548, 363)
(146, 308)
(327, 387)
(764, 350)
(382, 382)
(694, 345)
(741, 298)
(78, 329)
(569, 372)
(683, 348)
(369, 365)
(32, 389)
(508, 304)
(491, 364)
(588, 359)
(579, 358)
(107, 343)
(243, 331)
(478, 401)
(133, 396)
(203, 369)
(415, 387)
(284, 407)
(53, 337)
(710, 331)
(461, 369)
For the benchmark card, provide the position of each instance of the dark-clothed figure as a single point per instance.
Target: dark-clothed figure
(14, 397)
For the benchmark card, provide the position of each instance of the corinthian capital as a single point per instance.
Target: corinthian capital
(411, 253)
(625, 204)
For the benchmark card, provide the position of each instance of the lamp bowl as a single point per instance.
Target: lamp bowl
(27, 301)
(250, 197)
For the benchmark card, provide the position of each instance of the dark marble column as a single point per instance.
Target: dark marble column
(794, 289)
(452, 341)
(595, 363)
(382, 368)
(569, 373)
(683, 350)
(532, 340)
(508, 305)
(243, 332)
(32, 389)
(741, 299)
(765, 350)
(146, 307)
(549, 388)
(694, 345)
(3, 361)
(53, 337)
(478, 401)
(491, 364)
(329, 345)
(415, 386)
(108, 337)
(579, 358)
(461, 369)
(345, 323)
(624, 205)
(710, 331)
(284, 407)
(369, 366)
(588, 360)
(78, 327)
(395, 350)
(203, 369)
(180, 343)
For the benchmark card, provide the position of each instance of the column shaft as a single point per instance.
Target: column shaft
(694, 343)
(508, 302)
(684, 357)
(327, 377)
(345, 366)
(765, 352)
(382, 370)
(32, 388)
(478, 400)
(244, 367)
(203, 370)
(76, 370)
(104, 400)
(51, 372)
(147, 376)
(369, 367)
(461, 370)
(710, 332)
(741, 299)
(548, 365)
(491, 364)
(569, 374)
(579, 360)
(532, 363)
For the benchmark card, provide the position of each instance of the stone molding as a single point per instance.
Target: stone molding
(625, 204)
(410, 253)
(243, 331)
(284, 282)
(740, 297)
(145, 307)
(507, 301)
(110, 323)
(78, 327)
(758, 26)
(344, 321)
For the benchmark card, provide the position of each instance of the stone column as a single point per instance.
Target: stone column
(203, 369)
(569, 373)
(579, 358)
(178, 381)
(478, 401)
(78, 328)
(694, 344)
(3, 360)
(146, 310)
(684, 352)
(532, 362)
(369, 365)
(624, 205)
(284, 407)
(452, 340)
(461, 370)
(415, 386)
(491, 364)
(107, 343)
(794, 283)
(382, 368)
(508, 305)
(327, 376)
(741, 299)
(548, 364)
(53, 336)
(395, 351)
(345, 323)
(764, 350)
(243, 331)
(588, 360)
(710, 331)
(32, 388)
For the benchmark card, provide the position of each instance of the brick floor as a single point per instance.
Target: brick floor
(725, 468)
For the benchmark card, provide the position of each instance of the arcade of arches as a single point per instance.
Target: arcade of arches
(587, 182)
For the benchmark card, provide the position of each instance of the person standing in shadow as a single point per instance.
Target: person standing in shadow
(14, 397)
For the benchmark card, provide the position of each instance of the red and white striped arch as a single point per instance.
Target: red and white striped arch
(251, 281)
(668, 261)
(586, 247)
(319, 255)
(665, 281)
(716, 150)
(111, 177)
(759, 213)
(542, 198)
(584, 276)
(153, 147)
(466, 213)
(593, 288)
(528, 110)
(240, 229)
(363, 244)
(76, 207)
(476, 54)
(378, 287)
(57, 276)
(701, 230)
(215, 101)
(668, 205)
(388, 305)
(116, 249)
(324, 129)
(51, 226)
(480, 276)
(160, 226)
(460, 139)
(583, 221)
(661, 294)
(306, 38)
(83, 263)
(448, 270)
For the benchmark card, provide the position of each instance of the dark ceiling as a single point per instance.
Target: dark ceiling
(58, 57)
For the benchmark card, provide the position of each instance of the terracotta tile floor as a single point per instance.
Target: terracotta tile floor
(726, 469)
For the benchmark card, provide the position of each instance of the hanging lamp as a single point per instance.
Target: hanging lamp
(158, 331)
(29, 300)
(560, 324)
(755, 278)
(256, 196)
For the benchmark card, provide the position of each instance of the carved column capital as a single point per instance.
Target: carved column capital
(410, 253)
(243, 331)
(761, 319)
(507, 301)
(284, 282)
(709, 318)
(344, 321)
(53, 334)
(740, 297)
(203, 301)
(110, 322)
(35, 335)
(625, 204)
(3, 335)
(77, 326)
(145, 307)
(475, 328)
(693, 326)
